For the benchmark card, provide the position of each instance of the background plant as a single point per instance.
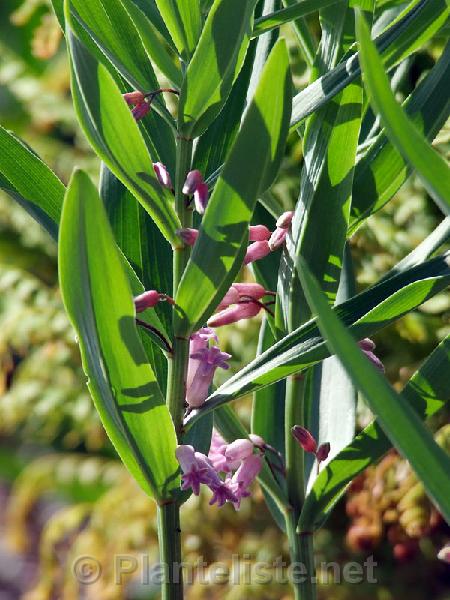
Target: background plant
(417, 286)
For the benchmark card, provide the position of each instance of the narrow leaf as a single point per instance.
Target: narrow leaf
(184, 21)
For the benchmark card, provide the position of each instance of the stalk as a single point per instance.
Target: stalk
(169, 531)
(300, 545)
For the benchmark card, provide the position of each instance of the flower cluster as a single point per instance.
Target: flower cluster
(228, 470)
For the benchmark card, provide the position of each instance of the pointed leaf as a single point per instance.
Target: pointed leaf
(121, 381)
(184, 21)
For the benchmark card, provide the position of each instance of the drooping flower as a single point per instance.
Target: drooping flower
(163, 175)
(198, 341)
(244, 477)
(304, 438)
(444, 554)
(256, 251)
(235, 313)
(251, 290)
(195, 467)
(193, 180)
(231, 297)
(222, 493)
(201, 196)
(258, 233)
(239, 450)
(134, 98)
(216, 452)
(209, 360)
(140, 110)
(368, 347)
(284, 221)
(147, 299)
(323, 451)
(277, 238)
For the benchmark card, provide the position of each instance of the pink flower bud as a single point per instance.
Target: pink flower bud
(231, 297)
(367, 346)
(258, 233)
(256, 251)
(146, 300)
(188, 235)
(444, 554)
(284, 221)
(250, 290)
(140, 110)
(257, 440)
(210, 359)
(239, 450)
(201, 196)
(163, 175)
(304, 438)
(323, 451)
(277, 238)
(234, 313)
(134, 98)
(193, 180)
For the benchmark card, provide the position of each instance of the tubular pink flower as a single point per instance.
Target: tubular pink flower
(368, 346)
(244, 477)
(146, 300)
(216, 452)
(188, 235)
(198, 341)
(250, 290)
(196, 469)
(201, 196)
(231, 297)
(239, 450)
(304, 438)
(163, 175)
(134, 98)
(140, 110)
(193, 180)
(235, 313)
(256, 251)
(258, 233)
(223, 493)
(284, 221)
(277, 238)
(210, 359)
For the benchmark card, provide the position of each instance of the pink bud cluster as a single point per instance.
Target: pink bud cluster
(242, 301)
(228, 470)
(309, 444)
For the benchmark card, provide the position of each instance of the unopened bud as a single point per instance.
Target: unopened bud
(193, 180)
(256, 251)
(284, 221)
(323, 451)
(304, 438)
(258, 233)
(163, 175)
(188, 235)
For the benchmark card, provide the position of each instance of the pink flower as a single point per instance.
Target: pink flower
(146, 300)
(188, 235)
(140, 110)
(235, 313)
(231, 297)
(210, 359)
(304, 438)
(368, 346)
(239, 450)
(244, 477)
(444, 554)
(284, 221)
(134, 98)
(277, 238)
(256, 251)
(201, 196)
(193, 180)
(222, 493)
(196, 469)
(163, 175)
(250, 290)
(216, 452)
(198, 341)
(258, 233)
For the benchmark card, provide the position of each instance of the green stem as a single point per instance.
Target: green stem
(170, 551)
(300, 546)
(169, 531)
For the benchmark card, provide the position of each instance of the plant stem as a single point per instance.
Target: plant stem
(169, 531)
(170, 552)
(300, 546)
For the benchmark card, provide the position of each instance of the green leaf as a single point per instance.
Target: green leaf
(415, 26)
(430, 166)
(396, 416)
(30, 181)
(382, 170)
(427, 391)
(155, 49)
(365, 314)
(290, 13)
(183, 19)
(249, 170)
(121, 381)
(110, 128)
(215, 65)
